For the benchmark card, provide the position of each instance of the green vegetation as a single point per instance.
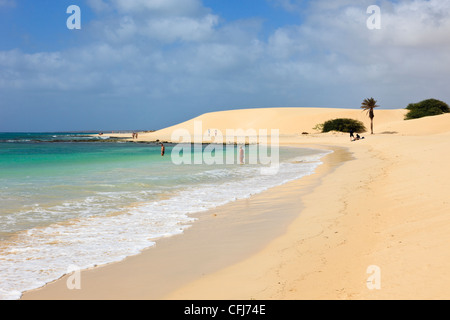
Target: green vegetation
(368, 105)
(319, 127)
(344, 125)
(426, 108)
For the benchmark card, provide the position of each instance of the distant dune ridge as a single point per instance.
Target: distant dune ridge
(292, 122)
(289, 121)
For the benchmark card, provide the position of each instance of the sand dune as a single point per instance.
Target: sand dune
(417, 127)
(290, 121)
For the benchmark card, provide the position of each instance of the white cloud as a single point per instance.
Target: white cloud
(98, 5)
(165, 21)
(409, 28)
(181, 28)
(122, 30)
(417, 24)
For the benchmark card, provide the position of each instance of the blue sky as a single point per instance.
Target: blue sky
(147, 64)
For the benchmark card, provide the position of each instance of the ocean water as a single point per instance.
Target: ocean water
(73, 200)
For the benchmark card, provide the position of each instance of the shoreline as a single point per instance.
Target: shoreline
(298, 264)
(382, 209)
(226, 221)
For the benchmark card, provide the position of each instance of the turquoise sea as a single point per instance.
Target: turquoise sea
(70, 199)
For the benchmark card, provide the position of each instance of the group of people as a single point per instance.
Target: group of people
(163, 148)
(355, 138)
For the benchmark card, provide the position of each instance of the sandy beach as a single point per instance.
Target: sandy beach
(381, 201)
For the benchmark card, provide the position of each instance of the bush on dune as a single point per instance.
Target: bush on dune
(426, 108)
(344, 125)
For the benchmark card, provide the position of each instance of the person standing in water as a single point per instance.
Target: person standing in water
(163, 150)
(241, 155)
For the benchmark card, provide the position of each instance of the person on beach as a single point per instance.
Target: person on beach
(163, 150)
(352, 135)
(358, 137)
(241, 155)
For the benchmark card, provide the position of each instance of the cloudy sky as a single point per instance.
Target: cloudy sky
(147, 64)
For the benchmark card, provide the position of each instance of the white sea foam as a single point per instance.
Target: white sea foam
(41, 255)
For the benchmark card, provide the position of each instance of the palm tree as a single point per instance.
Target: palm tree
(368, 105)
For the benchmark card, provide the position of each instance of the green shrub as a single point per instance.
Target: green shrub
(344, 125)
(426, 108)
